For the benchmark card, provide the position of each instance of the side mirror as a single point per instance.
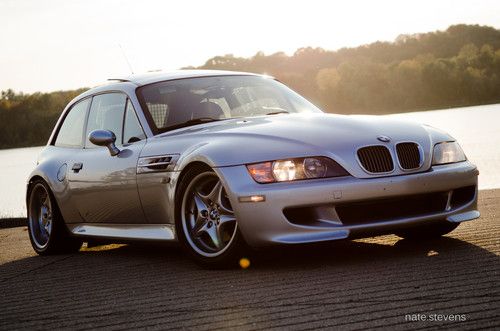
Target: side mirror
(104, 138)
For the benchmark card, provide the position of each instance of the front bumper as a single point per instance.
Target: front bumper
(268, 222)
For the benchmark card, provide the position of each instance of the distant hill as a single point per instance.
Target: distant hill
(456, 67)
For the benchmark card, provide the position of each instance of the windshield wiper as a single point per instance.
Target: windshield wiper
(193, 121)
(278, 112)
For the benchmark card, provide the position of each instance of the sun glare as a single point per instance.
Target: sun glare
(78, 43)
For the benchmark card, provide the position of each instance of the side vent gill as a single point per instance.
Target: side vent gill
(158, 163)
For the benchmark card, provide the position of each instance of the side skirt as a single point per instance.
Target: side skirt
(162, 232)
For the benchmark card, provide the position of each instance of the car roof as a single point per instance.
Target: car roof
(153, 77)
(131, 82)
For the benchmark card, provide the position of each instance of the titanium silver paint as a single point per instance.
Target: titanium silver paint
(111, 196)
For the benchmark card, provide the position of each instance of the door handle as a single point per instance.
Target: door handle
(77, 167)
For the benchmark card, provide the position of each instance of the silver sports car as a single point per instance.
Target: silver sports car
(225, 161)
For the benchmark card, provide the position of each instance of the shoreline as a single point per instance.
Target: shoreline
(12, 222)
(475, 129)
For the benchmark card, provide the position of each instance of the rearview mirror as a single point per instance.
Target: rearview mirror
(104, 138)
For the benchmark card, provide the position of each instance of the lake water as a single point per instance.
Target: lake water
(476, 128)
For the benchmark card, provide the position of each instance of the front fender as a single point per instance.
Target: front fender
(197, 153)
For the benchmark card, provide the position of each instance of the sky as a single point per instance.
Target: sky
(65, 44)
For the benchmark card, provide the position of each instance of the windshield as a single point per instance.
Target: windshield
(172, 104)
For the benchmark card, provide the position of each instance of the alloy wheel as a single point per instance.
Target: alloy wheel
(40, 216)
(207, 217)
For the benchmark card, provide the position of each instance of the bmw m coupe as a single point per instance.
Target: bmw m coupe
(226, 161)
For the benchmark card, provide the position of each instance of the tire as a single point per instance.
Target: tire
(47, 230)
(430, 231)
(205, 223)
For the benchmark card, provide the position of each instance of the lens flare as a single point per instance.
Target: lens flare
(244, 263)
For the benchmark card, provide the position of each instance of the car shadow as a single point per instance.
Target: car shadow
(334, 254)
(343, 253)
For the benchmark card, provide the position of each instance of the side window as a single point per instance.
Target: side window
(71, 132)
(132, 130)
(106, 113)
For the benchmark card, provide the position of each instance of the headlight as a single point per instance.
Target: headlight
(284, 170)
(295, 169)
(448, 152)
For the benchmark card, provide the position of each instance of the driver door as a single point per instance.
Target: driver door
(104, 187)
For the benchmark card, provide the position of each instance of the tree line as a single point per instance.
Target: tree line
(28, 119)
(456, 67)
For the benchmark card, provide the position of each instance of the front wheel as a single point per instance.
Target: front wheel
(46, 228)
(206, 225)
(432, 230)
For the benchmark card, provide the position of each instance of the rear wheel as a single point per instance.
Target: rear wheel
(433, 230)
(206, 225)
(47, 231)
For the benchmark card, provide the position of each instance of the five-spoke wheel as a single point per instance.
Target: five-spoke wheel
(206, 223)
(207, 216)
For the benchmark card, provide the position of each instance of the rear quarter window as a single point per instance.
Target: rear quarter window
(71, 131)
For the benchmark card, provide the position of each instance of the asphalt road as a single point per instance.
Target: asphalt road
(370, 283)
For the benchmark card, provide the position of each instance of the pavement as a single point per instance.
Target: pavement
(382, 282)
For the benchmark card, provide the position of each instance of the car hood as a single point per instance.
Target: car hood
(257, 139)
